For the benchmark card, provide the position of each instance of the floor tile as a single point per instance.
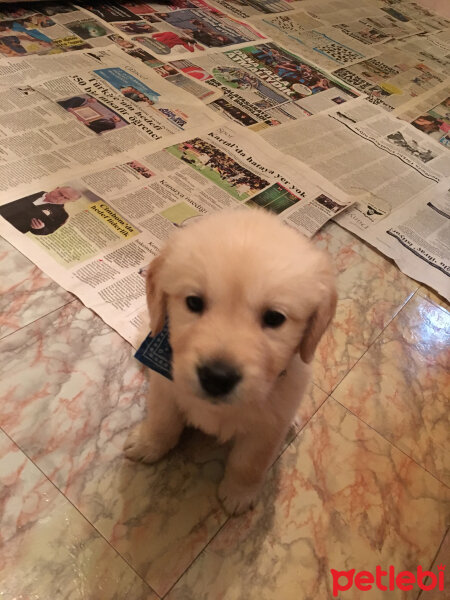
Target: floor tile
(25, 292)
(434, 297)
(48, 550)
(371, 291)
(70, 393)
(400, 387)
(442, 559)
(353, 242)
(340, 497)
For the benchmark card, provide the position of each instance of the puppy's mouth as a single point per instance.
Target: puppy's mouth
(218, 379)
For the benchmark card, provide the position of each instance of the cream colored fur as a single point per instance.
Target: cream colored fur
(242, 262)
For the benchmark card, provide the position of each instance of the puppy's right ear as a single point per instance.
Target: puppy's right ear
(156, 298)
(319, 321)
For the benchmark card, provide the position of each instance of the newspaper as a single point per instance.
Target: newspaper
(430, 49)
(102, 157)
(410, 14)
(418, 238)
(365, 22)
(265, 85)
(392, 78)
(68, 122)
(94, 232)
(176, 30)
(244, 9)
(386, 165)
(413, 12)
(314, 40)
(48, 29)
(431, 114)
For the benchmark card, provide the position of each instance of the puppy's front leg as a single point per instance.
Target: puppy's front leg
(249, 459)
(162, 427)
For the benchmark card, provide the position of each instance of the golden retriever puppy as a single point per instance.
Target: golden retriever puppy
(247, 301)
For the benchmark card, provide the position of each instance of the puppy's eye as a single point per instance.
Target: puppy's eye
(195, 304)
(273, 319)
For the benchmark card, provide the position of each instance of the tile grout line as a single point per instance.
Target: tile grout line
(38, 319)
(84, 517)
(328, 396)
(329, 393)
(297, 433)
(196, 558)
(391, 443)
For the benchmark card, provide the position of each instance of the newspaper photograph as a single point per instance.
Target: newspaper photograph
(392, 78)
(379, 160)
(71, 121)
(436, 122)
(263, 86)
(95, 232)
(48, 29)
(310, 38)
(180, 29)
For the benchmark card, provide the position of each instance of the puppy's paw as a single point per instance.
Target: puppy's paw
(140, 447)
(237, 499)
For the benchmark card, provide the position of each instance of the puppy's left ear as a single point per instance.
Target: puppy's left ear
(156, 298)
(319, 320)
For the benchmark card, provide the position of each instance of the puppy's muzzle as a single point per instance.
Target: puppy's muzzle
(218, 378)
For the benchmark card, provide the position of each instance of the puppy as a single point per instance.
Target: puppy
(247, 300)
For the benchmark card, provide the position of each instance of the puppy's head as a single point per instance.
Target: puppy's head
(243, 294)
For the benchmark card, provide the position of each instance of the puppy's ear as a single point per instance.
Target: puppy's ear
(318, 321)
(156, 298)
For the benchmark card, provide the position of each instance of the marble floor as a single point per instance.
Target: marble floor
(363, 480)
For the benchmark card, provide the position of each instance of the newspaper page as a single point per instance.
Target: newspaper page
(392, 78)
(93, 232)
(244, 9)
(265, 85)
(418, 238)
(177, 30)
(76, 119)
(34, 69)
(379, 160)
(431, 115)
(48, 23)
(430, 49)
(312, 39)
(364, 22)
(408, 15)
(413, 12)
(48, 29)
(397, 176)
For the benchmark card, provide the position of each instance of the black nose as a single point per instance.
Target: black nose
(218, 378)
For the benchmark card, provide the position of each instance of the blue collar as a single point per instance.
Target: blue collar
(156, 353)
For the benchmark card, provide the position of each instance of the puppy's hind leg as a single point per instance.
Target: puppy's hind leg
(162, 427)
